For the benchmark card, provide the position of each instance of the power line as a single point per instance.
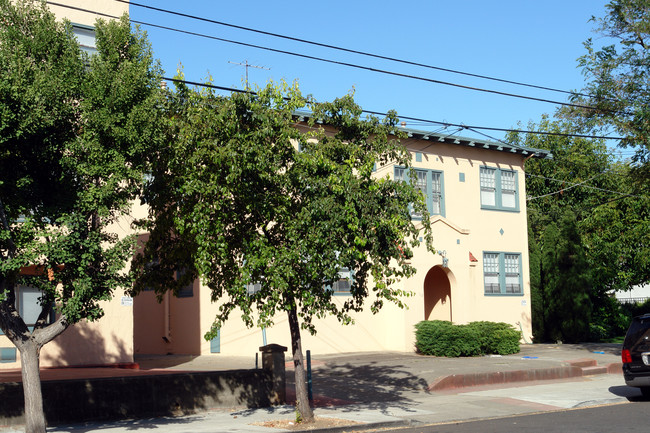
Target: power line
(445, 124)
(573, 185)
(351, 65)
(417, 119)
(349, 50)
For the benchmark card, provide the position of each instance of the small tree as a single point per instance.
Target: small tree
(244, 197)
(74, 132)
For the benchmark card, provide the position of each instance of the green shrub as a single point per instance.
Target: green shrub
(610, 318)
(498, 338)
(442, 338)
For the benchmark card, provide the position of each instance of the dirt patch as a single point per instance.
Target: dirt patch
(319, 423)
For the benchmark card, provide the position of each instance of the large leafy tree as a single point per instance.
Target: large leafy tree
(611, 218)
(74, 133)
(247, 198)
(617, 86)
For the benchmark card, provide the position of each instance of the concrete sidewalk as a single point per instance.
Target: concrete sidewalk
(382, 389)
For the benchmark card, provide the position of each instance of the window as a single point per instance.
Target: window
(187, 291)
(29, 306)
(499, 189)
(7, 354)
(502, 273)
(430, 183)
(253, 288)
(86, 38)
(343, 285)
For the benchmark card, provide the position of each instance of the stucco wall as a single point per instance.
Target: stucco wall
(464, 229)
(78, 16)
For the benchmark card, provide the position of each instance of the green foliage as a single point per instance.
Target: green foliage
(442, 338)
(246, 195)
(583, 182)
(636, 309)
(609, 319)
(497, 337)
(616, 71)
(567, 282)
(74, 136)
(243, 196)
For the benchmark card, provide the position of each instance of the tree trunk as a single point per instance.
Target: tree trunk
(302, 398)
(34, 415)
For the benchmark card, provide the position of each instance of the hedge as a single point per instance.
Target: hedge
(442, 338)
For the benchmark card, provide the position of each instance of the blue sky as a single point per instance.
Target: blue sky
(520, 40)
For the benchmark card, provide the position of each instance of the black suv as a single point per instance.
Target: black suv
(636, 354)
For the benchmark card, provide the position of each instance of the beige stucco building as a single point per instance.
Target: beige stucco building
(476, 195)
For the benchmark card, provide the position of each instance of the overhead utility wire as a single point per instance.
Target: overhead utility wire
(487, 128)
(573, 185)
(349, 50)
(336, 62)
(417, 119)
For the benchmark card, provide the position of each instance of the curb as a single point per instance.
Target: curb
(456, 381)
(361, 427)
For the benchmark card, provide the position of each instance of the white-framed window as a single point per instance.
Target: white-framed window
(502, 273)
(85, 37)
(499, 189)
(28, 305)
(430, 182)
(343, 285)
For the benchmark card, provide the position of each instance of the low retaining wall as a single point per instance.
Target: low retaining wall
(170, 394)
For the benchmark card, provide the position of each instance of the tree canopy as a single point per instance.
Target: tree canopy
(272, 213)
(585, 192)
(617, 87)
(74, 134)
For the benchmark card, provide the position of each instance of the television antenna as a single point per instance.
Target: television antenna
(247, 65)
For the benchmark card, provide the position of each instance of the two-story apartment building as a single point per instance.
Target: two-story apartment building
(476, 197)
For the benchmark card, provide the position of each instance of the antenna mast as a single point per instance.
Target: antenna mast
(248, 65)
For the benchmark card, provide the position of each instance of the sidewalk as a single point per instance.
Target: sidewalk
(382, 389)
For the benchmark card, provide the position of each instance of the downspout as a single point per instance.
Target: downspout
(167, 322)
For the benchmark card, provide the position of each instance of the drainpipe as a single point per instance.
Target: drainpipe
(167, 325)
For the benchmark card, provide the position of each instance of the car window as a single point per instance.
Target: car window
(639, 333)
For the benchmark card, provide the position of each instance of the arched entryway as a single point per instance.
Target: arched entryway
(437, 294)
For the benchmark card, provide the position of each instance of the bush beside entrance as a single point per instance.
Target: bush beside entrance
(443, 338)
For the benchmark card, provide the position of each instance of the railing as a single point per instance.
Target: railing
(632, 300)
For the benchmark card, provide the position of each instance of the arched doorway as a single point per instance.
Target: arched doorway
(437, 295)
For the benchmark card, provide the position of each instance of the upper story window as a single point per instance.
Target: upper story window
(430, 182)
(86, 38)
(502, 273)
(499, 189)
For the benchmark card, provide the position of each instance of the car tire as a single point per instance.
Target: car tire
(645, 391)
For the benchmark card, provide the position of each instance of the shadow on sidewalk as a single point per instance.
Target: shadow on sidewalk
(609, 348)
(376, 386)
